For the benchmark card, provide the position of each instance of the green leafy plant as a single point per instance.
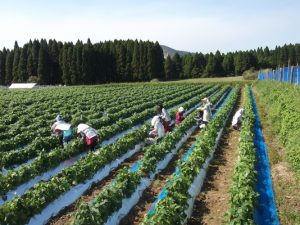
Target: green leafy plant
(171, 209)
(242, 193)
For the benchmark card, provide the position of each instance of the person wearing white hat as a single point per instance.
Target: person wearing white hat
(179, 116)
(89, 134)
(62, 130)
(158, 128)
(237, 119)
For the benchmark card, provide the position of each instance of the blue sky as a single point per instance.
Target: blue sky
(192, 25)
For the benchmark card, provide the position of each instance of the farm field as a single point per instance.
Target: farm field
(192, 176)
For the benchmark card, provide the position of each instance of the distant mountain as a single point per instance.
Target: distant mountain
(170, 51)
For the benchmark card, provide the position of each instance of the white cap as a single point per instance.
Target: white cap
(181, 109)
(154, 120)
(81, 127)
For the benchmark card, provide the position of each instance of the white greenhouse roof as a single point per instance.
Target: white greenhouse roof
(22, 85)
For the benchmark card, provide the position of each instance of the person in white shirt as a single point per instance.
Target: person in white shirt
(206, 109)
(237, 119)
(158, 130)
(166, 119)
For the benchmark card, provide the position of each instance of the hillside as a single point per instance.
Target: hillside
(170, 51)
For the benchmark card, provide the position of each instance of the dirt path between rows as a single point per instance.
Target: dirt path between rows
(213, 201)
(137, 213)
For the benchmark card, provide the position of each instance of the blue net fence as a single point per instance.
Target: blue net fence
(285, 74)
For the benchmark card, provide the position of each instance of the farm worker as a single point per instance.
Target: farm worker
(237, 119)
(89, 134)
(62, 129)
(179, 115)
(206, 109)
(158, 128)
(166, 119)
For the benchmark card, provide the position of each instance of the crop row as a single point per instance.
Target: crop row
(282, 103)
(242, 193)
(38, 99)
(47, 161)
(27, 118)
(18, 117)
(15, 157)
(39, 127)
(172, 208)
(126, 182)
(105, 133)
(43, 193)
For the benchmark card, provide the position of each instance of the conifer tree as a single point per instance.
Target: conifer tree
(211, 65)
(187, 62)
(15, 70)
(8, 67)
(2, 66)
(66, 79)
(169, 68)
(22, 67)
(30, 67)
(177, 66)
(42, 70)
(135, 62)
(158, 61)
(35, 55)
(228, 64)
(73, 67)
(79, 61)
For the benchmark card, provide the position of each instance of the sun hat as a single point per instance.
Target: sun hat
(81, 127)
(205, 100)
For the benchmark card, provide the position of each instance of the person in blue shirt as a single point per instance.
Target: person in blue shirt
(62, 130)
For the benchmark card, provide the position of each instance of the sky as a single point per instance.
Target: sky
(190, 25)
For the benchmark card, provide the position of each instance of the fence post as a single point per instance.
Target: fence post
(280, 74)
(297, 74)
(291, 74)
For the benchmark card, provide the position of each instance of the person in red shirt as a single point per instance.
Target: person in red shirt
(179, 116)
(89, 134)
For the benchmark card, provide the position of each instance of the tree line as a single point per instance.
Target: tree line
(53, 62)
(231, 63)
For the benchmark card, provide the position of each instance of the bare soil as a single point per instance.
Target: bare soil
(213, 201)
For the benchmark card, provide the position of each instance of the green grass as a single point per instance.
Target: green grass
(286, 184)
(214, 79)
